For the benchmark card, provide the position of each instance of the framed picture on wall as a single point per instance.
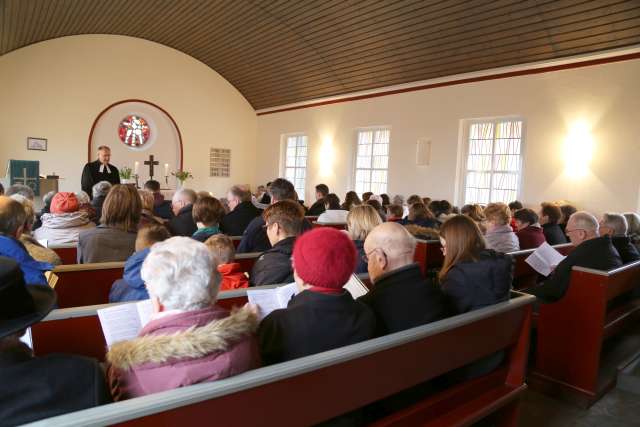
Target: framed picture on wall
(39, 144)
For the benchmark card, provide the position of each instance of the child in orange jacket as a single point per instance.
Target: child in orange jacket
(223, 251)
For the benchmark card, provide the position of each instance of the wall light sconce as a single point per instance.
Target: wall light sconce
(326, 157)
(578, 150)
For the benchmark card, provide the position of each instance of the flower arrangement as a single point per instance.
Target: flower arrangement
(182, 176)
(126, 173)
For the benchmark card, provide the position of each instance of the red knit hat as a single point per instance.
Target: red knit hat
(324, 257)
(64, 203)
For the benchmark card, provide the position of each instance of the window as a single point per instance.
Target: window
(372, 160)
(295, 161)
(493, 166)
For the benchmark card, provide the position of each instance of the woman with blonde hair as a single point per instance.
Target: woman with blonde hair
(360, 221)
(473, 277)
(500, 235)
(115, 238)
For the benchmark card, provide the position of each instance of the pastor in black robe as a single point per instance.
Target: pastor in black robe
(91, 175)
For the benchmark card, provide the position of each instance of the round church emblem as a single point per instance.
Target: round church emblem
(134, 131)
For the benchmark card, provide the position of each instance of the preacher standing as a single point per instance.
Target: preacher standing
(100, 170)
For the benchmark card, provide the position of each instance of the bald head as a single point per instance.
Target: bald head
(389, 246)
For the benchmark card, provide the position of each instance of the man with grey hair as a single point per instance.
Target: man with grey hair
(23, 190)
(183, 224)
(591, 251)
(241, 212)
(401, 298)
(615, 225)
(99, 193)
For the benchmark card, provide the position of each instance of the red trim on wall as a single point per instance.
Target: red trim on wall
(95, 122)
(496, 76)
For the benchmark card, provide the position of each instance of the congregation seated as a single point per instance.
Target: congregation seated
(441, 209)
(182, 223)
(567, 210)
(189, 339)
(401, 298)
(255, 237)
(420, 215)
(131, 287)
(333, 213)
(33, 388)
(99, 192)
(115, 238)
(323, 315)
(65, 222)
(530, 234)
(283, 222)
(472, 277)
(12, 220)
(318, 207)
(351, 199)
(615, 226)
(633, 221)
(361, 220)
(500, 236)
(591, 251)
(207, 213)
(223, 252)
(241, 212)
(35, 248)
(377, 205)
(550, 217)
(161, 207)
(147, 217)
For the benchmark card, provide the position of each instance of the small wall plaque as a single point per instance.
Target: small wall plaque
(220, 162)
(39, 144)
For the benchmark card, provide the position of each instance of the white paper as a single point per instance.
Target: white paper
(355, 287)
(120, 322)
(26, 338)
(544, 259)
(145, 312)
(268, 300)
(44, 242)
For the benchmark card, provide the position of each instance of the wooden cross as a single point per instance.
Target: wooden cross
(24, 178)
(151, 163)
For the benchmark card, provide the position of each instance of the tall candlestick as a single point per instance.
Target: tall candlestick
(135, 168)
(166, 169)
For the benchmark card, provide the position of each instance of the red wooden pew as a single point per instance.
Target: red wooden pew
(236, 241)
(86, 284)
(67, 253)
(574, 355)
(345, 374)
(337, 225)
(428, 254)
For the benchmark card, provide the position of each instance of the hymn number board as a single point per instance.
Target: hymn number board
(220, 162)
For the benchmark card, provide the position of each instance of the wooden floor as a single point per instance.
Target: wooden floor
(616, 409)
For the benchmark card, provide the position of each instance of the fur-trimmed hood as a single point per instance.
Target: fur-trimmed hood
(194, 342)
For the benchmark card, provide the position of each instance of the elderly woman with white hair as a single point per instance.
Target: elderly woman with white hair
(615, 226)
(99, 194)
(633, 221)
(189, 339)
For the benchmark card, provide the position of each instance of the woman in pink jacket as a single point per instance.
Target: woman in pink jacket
(189, 339)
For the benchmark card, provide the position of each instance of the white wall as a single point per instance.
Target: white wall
(56, 89)
(605, 96)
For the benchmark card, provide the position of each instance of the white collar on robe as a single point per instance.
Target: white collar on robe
(102, 166)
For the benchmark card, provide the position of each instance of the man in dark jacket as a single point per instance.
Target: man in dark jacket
(242, 212)
(255, 237)
(401, 298)
(182, 224)
(318, 207)
(283, 223)
(616, 226)
(591, 251)
(33, 388)
(99, 170)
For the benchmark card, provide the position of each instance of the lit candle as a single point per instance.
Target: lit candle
(166, 169)
(135, 167)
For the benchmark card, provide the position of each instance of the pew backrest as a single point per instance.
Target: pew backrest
(524, 276)
(86, 284)
(247, 260)
(336, 225)
(67, 253)
(345, 374)
(428, 254)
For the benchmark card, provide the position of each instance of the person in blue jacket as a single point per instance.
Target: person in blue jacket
(12, 220)
(131, 287)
